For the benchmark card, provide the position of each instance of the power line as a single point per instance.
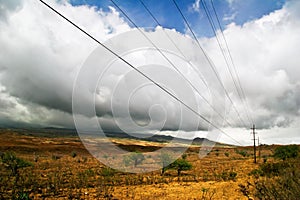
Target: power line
(168, 36)
(169, 61)
(212, 24)
(210, 62)
(164, 56)
(191, 64)
(233, 64)
(137, 70)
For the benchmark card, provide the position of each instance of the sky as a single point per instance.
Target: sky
(42, 60)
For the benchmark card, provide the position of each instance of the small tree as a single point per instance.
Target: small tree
(166, 160)
(284, 152)
(136, 158)
(181, 165)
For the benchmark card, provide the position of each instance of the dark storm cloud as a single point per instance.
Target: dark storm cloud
(40, 56)
(8, 6)
(48, 91)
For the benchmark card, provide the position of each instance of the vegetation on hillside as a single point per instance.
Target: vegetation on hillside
(14, 164)
(279, 179)
(64, 169)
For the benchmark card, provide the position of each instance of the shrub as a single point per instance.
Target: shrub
(228, 175)
(243, 153)
(273, 169)
(73, 154)
(285, 186)
(256, 173)
(165, 160)
(207, 193)
(136, 158)
(284, 152)
(107, 171)
(89, 172)
(281, 180)
(226, 154)
(265, 158)
(13, 163)
(180, 165)
(270, 169)
(245, 189)
(232, 175)
(22, 196)
(105, 156)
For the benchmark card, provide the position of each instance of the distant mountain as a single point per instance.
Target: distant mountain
(200, 141)
(66, 132)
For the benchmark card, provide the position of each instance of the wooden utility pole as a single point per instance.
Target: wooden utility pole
(259, 148)
(254, 143)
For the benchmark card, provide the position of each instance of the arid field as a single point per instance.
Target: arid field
(61, 168)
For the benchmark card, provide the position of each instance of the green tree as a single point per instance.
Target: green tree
(181, 165)
(136, 158)
(284, 152)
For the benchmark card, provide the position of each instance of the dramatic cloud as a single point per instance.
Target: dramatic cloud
(6, 7)
(124, 94)
(41, 54)
(265, 53)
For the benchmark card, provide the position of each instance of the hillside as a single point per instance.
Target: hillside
(62, 168)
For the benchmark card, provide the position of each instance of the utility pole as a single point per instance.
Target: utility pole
(254, 145)
(259, 148)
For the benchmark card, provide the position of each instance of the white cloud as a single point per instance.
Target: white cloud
(231, 2)
(196, 6)
(230, 17)
(41, 54)
(6, 7)
(265, 54)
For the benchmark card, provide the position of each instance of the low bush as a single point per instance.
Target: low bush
(242, 152)
(285, 152)
(107, 171)
(226, 176)
(134, 158)
(73, 154)
(280, 180)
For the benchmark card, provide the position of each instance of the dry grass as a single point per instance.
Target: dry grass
(57, 173)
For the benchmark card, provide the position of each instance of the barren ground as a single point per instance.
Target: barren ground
(56, 174)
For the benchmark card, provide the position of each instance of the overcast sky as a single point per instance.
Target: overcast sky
(41, 56)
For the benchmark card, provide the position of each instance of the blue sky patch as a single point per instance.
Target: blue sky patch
(237, 11)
